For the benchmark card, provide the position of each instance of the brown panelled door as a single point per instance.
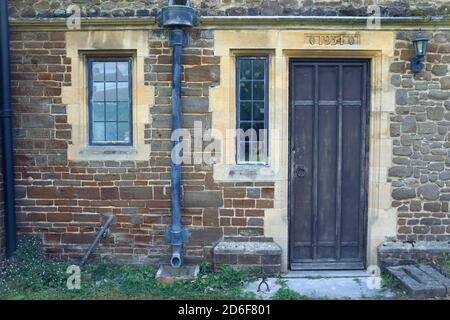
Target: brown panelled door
(328, 163)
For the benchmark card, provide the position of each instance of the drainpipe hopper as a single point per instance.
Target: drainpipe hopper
(178, 16)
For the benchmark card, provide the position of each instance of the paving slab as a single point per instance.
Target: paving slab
(338, 287)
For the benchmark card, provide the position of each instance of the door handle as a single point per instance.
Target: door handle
(300, 171)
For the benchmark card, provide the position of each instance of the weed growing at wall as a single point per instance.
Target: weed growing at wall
(31, 275)
(30, 270)
(443, 264)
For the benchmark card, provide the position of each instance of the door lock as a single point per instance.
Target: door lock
(300, 171)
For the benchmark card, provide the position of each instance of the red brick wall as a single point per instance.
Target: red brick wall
(65, 202)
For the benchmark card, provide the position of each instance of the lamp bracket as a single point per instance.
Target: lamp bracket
(416, 64)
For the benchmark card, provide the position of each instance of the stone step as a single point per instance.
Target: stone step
(421, 281)
(168, 275)
(439, 277)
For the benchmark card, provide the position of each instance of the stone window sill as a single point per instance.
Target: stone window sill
(109, 153)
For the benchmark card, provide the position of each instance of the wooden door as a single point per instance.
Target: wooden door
(328, 163)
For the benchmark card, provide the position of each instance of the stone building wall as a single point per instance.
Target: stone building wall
(420, 173)
(65, 201)
(122, 8)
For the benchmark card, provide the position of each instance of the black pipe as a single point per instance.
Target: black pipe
(101, 234)
(7, 134)
(177, 234)
(176, 16)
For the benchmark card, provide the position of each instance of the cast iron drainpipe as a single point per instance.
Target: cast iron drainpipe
(7, 143)
(176, 234)
(176, 16)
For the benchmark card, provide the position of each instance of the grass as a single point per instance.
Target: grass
(443, 264)
(285, 293)
(388, 282)
(314, 277)
(29, 274)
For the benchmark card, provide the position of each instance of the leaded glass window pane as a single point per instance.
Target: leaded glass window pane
(110, 101)
(252, 105)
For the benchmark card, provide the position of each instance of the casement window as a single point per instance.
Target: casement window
(110, 101)
(252, 110)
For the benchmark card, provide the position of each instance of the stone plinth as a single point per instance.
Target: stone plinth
(261, 256)
(167, 274)
(395, 253)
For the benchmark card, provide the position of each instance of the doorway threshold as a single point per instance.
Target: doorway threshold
(325, 274)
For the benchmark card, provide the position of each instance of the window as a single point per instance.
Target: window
(252, 106)
(110, 101)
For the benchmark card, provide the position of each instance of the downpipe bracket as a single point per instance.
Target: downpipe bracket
(178, 37)
(179, 237)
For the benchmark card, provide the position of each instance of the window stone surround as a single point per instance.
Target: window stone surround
(83, 44)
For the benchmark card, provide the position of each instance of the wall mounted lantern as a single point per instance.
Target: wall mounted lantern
(420, 47)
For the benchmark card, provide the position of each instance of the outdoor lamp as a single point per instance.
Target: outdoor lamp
(420, 47)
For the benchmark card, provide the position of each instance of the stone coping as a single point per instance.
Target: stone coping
(212, 18)
(248, 247)
(419, 246)
(240, 22)
(321, 19)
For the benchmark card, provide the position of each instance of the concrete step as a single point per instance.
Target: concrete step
(421, 281)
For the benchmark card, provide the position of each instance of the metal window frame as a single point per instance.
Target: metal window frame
(90, 61)
(265, 58)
